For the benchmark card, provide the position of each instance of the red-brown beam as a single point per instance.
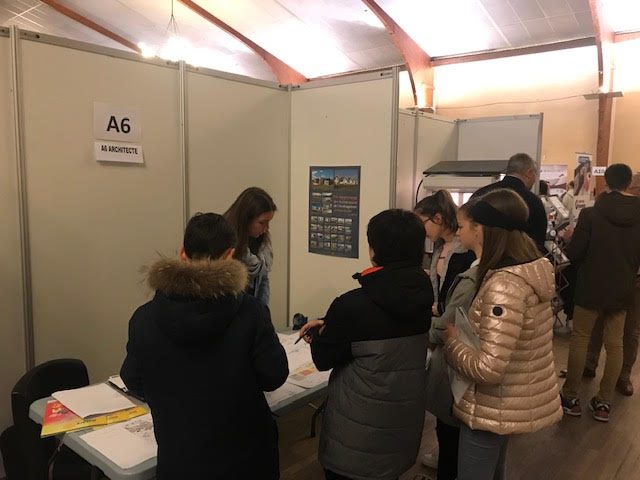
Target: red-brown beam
(283, 72)
(514, 52)
(605, 37)
(66, 11)
(417, 60)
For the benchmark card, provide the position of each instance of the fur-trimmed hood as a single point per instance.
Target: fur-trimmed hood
(198, 279)
(196, 301)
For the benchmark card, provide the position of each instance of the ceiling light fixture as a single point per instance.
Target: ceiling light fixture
(175, 47)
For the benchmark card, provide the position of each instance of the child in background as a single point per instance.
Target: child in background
(439, 395)
(449, 258)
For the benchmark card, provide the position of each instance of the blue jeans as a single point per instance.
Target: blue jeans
(482, 455)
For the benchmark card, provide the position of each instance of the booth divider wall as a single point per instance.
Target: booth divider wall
(406, 176)
(337, 125)
(93, 225)
(437, 142)
(238, 136)
(12, 354)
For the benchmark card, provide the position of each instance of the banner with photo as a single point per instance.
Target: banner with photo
(334, 211)
(556, 177)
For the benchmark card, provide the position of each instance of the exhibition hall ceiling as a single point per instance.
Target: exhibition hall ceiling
(316, 38)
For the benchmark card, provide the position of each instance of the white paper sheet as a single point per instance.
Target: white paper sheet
(126, 444)
(93, 400)
(286, 391)
(308, 376)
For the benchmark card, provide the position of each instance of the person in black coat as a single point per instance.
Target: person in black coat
(520, 177)
(201, 353)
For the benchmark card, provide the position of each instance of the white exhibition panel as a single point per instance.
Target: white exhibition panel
(341, 125)
(12, 354)
(93, 225)
(238, 137)
(406, 171)
(498, 138)
(437, 142)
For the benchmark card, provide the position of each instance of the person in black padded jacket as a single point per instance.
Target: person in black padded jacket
(201, 353)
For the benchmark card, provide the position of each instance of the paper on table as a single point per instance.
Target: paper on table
(308, 376)
(125, 444)
(284, 392)
(93, 400)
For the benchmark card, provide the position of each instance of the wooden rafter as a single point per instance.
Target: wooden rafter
(514, 52)
(605, 38)
(283, 72)
(418, 61)
(66, 11)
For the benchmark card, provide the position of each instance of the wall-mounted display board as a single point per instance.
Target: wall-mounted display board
(334, 211)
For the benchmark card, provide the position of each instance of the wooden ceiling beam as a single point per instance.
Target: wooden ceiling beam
(283, 72)
(72, 14)
(418, 61)
(514, 52)
(605, 37)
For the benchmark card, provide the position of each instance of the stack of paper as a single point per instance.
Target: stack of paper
(125, 444)
(93, 400)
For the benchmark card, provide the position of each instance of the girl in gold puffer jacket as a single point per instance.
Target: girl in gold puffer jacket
(515, 388)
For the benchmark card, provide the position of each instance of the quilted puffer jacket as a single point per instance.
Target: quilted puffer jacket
(515, 389)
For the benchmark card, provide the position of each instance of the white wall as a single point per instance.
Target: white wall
(94, 225)
(339, 125)
(238, 138)
(406, 175)
(437, 142)
(12, 355)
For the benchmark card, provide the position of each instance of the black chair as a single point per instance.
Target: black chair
(26, 455)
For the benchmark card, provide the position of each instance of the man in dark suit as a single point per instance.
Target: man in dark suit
(520, 177)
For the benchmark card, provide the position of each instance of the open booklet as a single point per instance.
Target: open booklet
(59, 419)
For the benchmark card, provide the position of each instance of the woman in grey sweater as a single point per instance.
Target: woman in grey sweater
(250, 215)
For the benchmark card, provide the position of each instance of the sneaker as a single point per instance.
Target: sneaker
(571, 406)
(600, 410)
(625, 387)
(430, 459)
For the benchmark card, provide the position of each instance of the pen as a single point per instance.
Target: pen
(309, 333)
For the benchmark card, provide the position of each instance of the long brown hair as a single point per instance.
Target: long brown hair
(249, 205)
(500, 245)
(441, 203)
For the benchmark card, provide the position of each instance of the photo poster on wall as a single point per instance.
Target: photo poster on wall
(334, 211)
(583, 183)
(556, 177)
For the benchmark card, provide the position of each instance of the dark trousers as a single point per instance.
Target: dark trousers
(448, 439)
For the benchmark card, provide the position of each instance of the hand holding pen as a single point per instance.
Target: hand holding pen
(310, 330)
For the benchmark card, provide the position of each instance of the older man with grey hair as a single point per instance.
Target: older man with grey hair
(520, 177)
